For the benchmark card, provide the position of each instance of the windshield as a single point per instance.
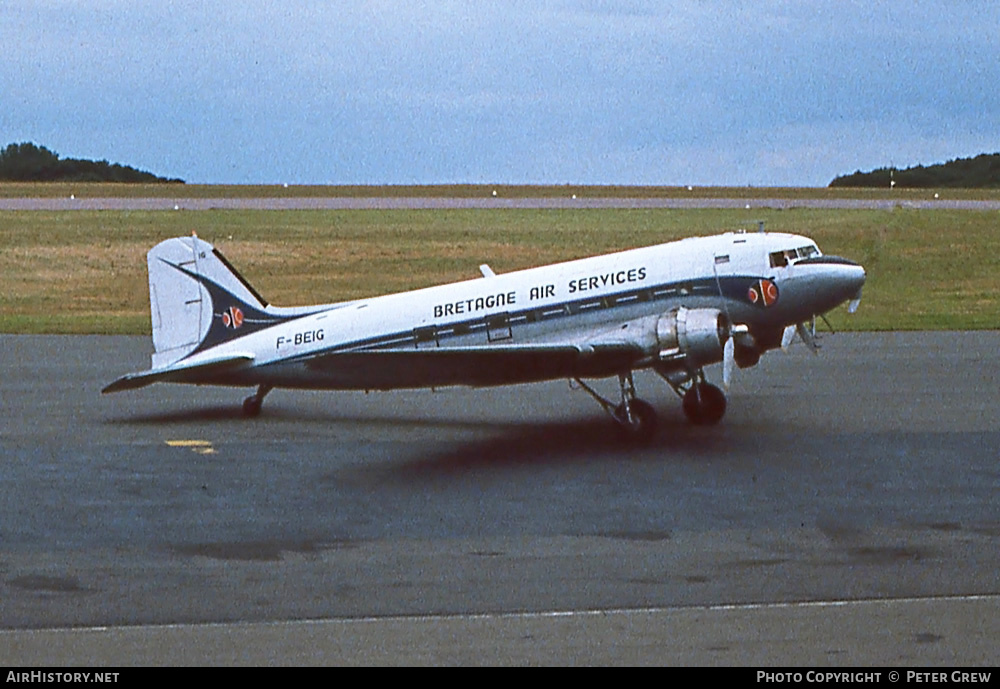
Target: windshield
(780, 259)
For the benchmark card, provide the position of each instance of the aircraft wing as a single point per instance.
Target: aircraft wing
(202, 371)
(476, 366)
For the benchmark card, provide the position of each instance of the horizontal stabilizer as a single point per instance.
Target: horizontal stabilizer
(203, 371)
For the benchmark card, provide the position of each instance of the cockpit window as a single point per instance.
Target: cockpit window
(780, 259)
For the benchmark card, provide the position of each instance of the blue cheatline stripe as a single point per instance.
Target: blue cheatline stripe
(733, 287)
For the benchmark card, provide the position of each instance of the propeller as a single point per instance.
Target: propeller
(736, 331)
(807, 335)
(740, 332)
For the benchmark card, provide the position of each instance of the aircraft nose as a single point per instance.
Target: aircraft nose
(851, 274)
(838, 279)
(844, 275)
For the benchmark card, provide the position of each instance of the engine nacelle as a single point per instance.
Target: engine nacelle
(696, 336)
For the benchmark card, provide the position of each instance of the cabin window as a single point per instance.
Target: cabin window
(778, 259)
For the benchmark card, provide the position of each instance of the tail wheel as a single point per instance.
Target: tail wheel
(253, 403)
(704, 404)
(251, 406)
(642, 425)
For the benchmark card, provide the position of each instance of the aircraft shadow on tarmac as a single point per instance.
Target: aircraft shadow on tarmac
(589, 440)
(277, 418)
(181, 416)
(490, 443)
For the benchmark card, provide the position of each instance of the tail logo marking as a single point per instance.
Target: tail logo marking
(233, 318)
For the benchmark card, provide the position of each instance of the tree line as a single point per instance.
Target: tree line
(983, 171)
(27, 162)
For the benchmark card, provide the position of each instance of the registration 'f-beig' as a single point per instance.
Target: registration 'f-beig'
(674, 308)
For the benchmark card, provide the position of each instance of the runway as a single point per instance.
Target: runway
(75, 203)
(844, 512)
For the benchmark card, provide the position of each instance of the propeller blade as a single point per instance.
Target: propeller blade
(852, 306)
(787, 336)
(807, 337)
(728, 359)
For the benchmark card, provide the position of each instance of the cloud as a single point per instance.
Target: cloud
(725, 92)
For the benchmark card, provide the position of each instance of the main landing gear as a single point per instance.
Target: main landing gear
(636, 418)
(704, 404)
(252, 404)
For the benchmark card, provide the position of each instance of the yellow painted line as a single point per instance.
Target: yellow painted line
(202, 447)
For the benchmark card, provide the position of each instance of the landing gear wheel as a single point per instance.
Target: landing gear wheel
(643, 424)
(251, 406)
(704, 404)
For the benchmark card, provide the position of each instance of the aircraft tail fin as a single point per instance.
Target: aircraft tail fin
(198, 300)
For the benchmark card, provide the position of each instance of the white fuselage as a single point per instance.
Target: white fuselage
(564, 302)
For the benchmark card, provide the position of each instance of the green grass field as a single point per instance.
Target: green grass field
(85, 271)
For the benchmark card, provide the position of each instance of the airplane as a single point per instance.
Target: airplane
(674, 308)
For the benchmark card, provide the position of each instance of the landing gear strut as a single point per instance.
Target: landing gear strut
(252, 404)
(635, 417)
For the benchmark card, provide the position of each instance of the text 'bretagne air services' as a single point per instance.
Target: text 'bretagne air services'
(587, 283)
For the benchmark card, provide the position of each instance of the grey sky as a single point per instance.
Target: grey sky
(599, 92)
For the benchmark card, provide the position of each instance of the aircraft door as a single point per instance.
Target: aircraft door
(498, 328)
(425, 338)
